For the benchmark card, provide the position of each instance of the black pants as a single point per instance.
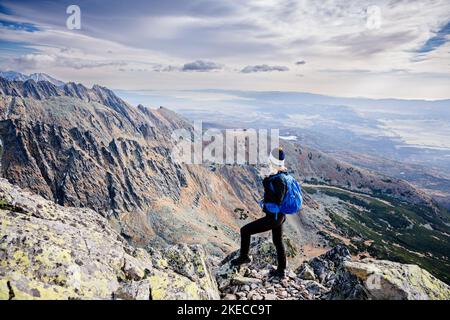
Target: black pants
(261, 225)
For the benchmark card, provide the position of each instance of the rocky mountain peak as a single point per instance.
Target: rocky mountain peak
(332, 275)
(37, 77)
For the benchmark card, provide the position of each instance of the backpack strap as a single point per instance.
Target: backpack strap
(279, 174)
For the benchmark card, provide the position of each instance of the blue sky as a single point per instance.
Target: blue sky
(439, 39)
(398, 49)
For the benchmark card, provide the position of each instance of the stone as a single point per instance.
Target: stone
(270, 290)
(387, 280)
(270, 296)
(315, 288)
(135, 290)
(132, 269)
(240, 280)
(257, 297)
(307, 273)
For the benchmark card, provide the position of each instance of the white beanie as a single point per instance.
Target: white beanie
(276, 157)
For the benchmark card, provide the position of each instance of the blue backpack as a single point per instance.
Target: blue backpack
(292, 201)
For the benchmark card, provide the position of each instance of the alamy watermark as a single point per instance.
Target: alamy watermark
(373, 18)
(223, 146)
(73, 22)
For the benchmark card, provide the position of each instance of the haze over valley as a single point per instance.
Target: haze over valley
(406, 139)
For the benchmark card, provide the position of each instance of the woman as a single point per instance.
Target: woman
(274, 190)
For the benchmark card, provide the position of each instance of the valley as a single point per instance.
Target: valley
(387, 229)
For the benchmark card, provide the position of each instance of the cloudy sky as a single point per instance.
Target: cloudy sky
(377, 49)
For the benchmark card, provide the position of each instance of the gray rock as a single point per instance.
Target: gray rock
(135, 290)
(240, 280)
(307, 273)
(387, 280)
(314, 288)
(270, 290)
(257, 296)
(270, 296)
(246, 287)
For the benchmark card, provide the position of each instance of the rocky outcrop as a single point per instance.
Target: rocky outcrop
(52, 252)
(252, 281)
(387, 280)
(324, 267)
(37, 77)
(332, 275)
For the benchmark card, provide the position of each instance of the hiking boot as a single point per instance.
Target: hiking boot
(240, 260)
(276, 273)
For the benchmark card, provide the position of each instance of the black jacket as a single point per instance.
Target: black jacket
(279, 189)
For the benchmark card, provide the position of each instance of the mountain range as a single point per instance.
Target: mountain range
(87, 148)
(17, 76)
(406, 139)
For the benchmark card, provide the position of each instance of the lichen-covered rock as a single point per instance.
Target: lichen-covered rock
(53, 252)
(387, 280)
(332, 275)
(181, 272)
(134, 290)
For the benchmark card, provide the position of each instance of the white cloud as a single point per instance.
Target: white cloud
(264, 68)
(145, 42)
(201, 66)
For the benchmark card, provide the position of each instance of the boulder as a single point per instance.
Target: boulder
(181, 272)
(240, 280)
(387, 280)
(53, 252)
(134, 290)
(306, 272)
(325, 265)
(270, 296)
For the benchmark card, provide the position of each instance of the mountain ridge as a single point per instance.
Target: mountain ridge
(37, 77)
(88, 148)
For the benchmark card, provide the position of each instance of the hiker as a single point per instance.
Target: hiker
(275, 189)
